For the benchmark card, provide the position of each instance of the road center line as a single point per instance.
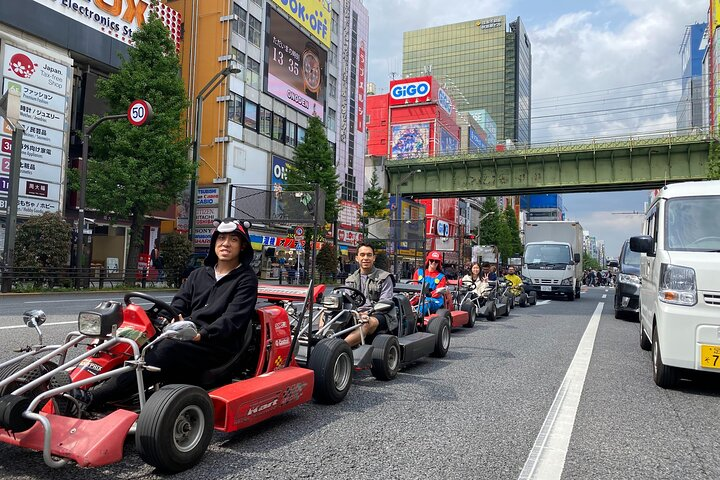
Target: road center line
(547, 457)
(160, 297)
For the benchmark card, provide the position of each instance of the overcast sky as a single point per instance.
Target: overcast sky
(587, 56)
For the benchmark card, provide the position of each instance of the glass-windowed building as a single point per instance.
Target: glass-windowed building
(484, 64)
(692, 104)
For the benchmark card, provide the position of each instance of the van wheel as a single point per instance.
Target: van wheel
(664, 376)
(644, 342)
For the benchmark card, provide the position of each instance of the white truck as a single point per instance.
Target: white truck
(553, 258)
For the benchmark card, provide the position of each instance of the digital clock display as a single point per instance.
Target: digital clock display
(295, 67)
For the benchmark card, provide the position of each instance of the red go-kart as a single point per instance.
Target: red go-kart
(172, 424)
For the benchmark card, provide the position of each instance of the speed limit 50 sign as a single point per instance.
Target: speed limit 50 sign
(140, 112)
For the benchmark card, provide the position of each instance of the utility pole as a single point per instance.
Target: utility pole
(10, 109)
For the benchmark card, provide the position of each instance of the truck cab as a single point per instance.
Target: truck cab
(550, 268)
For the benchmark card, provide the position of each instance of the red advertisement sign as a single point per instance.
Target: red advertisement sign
(361, 89)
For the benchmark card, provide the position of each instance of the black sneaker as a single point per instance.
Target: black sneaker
(83, 397)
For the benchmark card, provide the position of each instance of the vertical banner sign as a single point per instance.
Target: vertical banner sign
(42, 86)
(361, 89)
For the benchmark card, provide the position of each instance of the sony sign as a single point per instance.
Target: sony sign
(406, 91)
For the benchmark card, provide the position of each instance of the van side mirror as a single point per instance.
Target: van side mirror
(642, 244)
(576, 258)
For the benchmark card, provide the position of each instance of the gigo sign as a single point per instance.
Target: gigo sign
(443, 228)
(410, 90)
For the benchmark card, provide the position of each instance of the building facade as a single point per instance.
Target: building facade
(484, 64)
(293, 65)
(692, 105)
(53, 53)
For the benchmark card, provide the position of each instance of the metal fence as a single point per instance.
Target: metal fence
(25, 279)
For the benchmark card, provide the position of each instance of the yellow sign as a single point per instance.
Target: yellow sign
(314, 15)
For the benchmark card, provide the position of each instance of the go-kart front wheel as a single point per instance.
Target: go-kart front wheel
(332, 361)
(175, 427)
(386, 357)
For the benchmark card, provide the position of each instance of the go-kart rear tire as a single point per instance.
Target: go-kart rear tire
(57, 380)
(385, 357)
(492, 311)
(440, 327)
(470, 308)
(175, 427)
(332, 361)
(532, 298)
(522, 300)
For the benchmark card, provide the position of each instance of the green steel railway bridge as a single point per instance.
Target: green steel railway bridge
(631, 164)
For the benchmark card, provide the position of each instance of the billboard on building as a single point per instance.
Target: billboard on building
(314, 15)
(410, 140)
(295, 67)
(118, 19)
(410, 90)
(477, 140)
(448, 143)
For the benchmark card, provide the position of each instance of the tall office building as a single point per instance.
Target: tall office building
(693, 103)
(297, 60)
(484, 64)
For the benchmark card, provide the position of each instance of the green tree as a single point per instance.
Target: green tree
(327, 260)
(490, 223)
(516, 246)
(313, 164)
(714, 161)
(590, 262)
(504, 238)
(42, 247)
(375, 204)
(175, 249)
(133, 171)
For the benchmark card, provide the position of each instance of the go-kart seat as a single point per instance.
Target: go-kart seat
(224, 373)
(406, 316)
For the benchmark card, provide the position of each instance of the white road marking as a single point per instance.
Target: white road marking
(10, 327)
(547, 457)
(604, 296)
(160, 297)
(607, 289)
(543, 302)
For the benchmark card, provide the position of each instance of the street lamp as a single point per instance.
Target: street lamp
(398, 206)
(204, 93)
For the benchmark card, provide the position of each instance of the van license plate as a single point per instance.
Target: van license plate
(710, 356)
(546, 288)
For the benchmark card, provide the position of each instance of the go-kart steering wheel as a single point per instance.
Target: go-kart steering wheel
(357, 298)
(157, 305)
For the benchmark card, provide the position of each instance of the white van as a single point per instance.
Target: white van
(680, 270)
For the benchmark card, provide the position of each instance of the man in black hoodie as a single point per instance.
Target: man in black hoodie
(219, 298)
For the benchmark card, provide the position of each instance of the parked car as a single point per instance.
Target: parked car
(627, 288)
(680, 291)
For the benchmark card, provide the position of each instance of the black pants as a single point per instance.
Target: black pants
(179, 362)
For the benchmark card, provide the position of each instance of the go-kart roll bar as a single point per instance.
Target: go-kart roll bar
(307, 303)
(103, 346)
(56, 350)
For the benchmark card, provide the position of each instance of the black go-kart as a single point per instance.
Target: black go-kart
(384, 352)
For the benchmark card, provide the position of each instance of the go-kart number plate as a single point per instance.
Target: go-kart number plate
(710, 356)
(546, 288)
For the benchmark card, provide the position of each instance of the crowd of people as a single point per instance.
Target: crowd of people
(595, 278)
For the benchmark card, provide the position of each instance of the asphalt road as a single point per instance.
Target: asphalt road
(474, 414)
